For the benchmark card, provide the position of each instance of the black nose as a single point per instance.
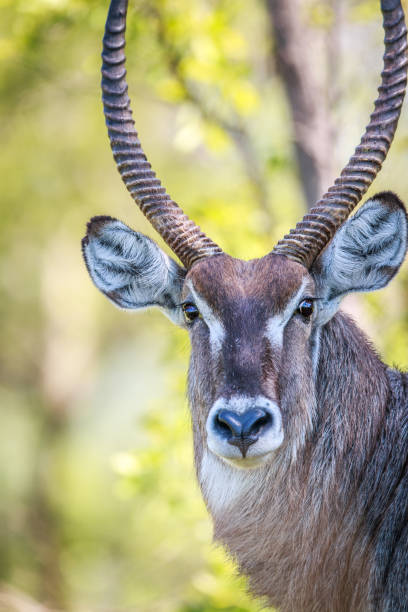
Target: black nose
(243, 429)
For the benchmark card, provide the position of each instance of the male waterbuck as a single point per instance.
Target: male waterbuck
(300, 431)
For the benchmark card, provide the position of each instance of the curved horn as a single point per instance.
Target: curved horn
(181, 234)
(317, 228)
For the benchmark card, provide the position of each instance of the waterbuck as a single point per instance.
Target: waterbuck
(300, 431)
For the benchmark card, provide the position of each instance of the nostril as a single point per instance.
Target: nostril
(222, 426)
(255, 420)
(228, 423)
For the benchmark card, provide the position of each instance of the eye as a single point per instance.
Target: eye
(191, 311)
(305, 307)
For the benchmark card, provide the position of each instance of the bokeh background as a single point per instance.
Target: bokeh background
(247, 113)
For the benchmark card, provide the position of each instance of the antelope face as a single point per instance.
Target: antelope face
(254, 326)
(250, 325)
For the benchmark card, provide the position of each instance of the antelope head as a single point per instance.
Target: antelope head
(254, 325)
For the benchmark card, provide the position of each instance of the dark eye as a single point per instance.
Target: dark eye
(190, 310)
(305, 308)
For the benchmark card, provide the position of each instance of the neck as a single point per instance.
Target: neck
(310, 512)
(352, 390)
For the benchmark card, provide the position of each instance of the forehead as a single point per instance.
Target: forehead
(266, 283)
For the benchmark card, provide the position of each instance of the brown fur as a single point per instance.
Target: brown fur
(300, 530)
(321, 523)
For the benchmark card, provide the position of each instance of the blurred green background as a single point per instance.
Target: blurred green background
(99, 508)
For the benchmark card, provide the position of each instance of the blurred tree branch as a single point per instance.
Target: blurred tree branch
(297, 68)
(333, 86)
(44, 518)
(231, 124)
(304, 85)
(12, 600)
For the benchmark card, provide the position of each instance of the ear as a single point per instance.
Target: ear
(365, 253)
(130, 269)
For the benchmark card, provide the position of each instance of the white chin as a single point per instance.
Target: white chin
(256, 457)
(249, 463)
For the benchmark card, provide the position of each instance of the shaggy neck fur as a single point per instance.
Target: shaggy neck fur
(309, 532)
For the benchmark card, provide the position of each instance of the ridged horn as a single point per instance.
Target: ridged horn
(181, 234)
(312, 234)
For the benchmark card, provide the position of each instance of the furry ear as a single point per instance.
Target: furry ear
(365, 253)
(130, 269)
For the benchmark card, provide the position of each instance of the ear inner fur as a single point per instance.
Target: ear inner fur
(365, 253)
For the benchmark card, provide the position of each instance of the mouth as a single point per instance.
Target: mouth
(248, 463)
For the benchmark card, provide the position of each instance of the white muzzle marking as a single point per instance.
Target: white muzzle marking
(268, 439)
